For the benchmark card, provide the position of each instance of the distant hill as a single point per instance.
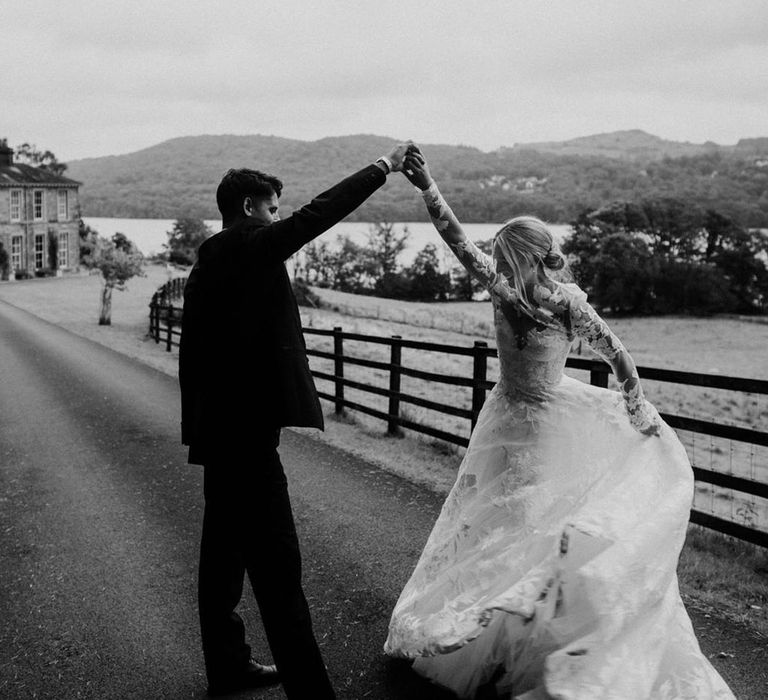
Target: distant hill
(554, 180)
(634, 145)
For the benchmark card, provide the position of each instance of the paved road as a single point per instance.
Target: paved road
(100, 521)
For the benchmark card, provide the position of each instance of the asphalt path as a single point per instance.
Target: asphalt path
(100, 518)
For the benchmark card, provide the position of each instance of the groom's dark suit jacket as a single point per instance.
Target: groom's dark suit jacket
(242, 364)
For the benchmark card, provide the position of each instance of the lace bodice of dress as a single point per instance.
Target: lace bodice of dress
(531, 355)
(533, 341)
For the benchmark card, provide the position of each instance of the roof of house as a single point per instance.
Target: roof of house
(23, 174)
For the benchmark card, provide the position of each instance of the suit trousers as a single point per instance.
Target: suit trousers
(248, 527)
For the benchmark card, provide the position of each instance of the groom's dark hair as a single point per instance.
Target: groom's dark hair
(238, 184)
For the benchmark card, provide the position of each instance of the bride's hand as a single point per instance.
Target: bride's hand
(415, 168)
(646, 419)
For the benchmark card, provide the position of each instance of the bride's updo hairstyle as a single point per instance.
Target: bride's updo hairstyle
(525, 242)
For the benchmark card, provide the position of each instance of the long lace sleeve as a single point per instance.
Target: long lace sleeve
(477, 263)
(587, 324)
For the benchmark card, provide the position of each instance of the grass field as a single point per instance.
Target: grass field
(715, 572)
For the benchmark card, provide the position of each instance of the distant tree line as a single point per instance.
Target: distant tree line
(30, 154)
(662, 256)
(374, 268)
(656, 256)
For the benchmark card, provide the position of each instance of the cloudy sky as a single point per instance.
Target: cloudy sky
(96, 78)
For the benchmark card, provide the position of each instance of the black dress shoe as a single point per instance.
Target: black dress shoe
(253, 675)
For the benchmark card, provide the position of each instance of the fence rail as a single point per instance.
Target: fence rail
(165, 327)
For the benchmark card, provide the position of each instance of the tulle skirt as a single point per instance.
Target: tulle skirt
(551, 570)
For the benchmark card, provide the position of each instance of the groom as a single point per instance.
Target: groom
(244, 375)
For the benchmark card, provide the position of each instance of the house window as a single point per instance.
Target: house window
(63, 198)
(37, 204)
(16, 243)
(15, 205)
(39, 251)
(63, 249)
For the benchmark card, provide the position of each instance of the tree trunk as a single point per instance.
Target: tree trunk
(105, 318)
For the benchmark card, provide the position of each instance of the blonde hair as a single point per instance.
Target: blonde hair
(526, 242)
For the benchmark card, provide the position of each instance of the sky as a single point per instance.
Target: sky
(100, 78)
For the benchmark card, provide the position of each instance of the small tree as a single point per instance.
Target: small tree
(88, 238)
(118, 260)
(318, 264)
(351, 269)
(384, 247)
(184, 239)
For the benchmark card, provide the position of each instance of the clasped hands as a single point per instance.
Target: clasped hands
(407, 158)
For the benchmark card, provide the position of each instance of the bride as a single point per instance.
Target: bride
(551, 570)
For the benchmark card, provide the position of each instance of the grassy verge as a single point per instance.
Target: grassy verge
(717, 574)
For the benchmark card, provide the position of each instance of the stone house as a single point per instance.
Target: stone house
(38, 213)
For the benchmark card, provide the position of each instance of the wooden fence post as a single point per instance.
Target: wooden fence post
(168, 327)
(393, 424)
(479, 375)
(338, 361)
(156, 319)
(597, 378)
(152, 317)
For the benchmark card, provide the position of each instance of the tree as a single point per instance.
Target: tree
(350, 267)
(690, 287)
(740, 257)
(583, 246)
(625, 273)
(343, 265)
(184, 239)
(664, 256)
(317, 264)
(122, 242)
(32, 155)
(88, 238)
(674, 227)
(746, 274)
(384, 247)
(427, 282)
(118, 260)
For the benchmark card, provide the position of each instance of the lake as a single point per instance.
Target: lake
(150, 234)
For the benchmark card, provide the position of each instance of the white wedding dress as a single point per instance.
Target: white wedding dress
(551, 570)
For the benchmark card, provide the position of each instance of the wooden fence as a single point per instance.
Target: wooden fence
(164, 326)
(164, 317)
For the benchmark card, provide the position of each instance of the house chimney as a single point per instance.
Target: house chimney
(6, 153)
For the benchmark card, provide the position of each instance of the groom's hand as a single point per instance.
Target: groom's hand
(397, 155)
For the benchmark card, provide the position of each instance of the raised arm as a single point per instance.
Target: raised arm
(477, 263)
(283, 238)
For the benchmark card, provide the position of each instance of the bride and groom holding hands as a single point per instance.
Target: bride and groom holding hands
(550, 572)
